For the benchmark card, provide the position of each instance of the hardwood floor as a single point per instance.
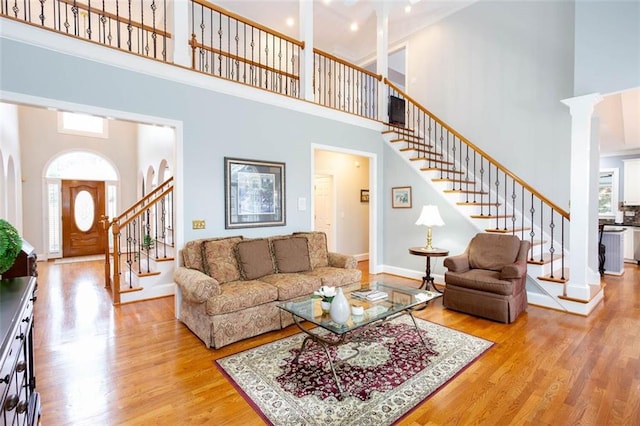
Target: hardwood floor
(136, 364)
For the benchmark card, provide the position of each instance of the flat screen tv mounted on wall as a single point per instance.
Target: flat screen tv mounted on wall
(396, 111)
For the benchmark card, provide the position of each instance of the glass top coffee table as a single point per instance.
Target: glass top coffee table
(399, 301)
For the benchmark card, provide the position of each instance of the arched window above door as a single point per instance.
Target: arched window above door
(81, 165)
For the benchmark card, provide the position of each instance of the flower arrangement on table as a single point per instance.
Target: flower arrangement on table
(327, 294)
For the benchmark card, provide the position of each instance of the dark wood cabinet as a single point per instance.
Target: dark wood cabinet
(25, 264)
(19, 401)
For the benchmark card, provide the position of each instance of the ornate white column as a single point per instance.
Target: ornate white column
(306, 61)
(382, 57)
(585, 158)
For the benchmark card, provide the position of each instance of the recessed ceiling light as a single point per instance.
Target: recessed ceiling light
(354, 26)
(290, 22)
(407, 8)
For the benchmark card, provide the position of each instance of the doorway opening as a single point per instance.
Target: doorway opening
(340, 177)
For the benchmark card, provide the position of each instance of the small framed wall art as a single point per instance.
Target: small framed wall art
(364, 195)
(401, 197)
(254, 193)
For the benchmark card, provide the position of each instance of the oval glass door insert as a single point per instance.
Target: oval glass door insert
(83, 211)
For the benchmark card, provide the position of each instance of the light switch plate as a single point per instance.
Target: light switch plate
(198, 224)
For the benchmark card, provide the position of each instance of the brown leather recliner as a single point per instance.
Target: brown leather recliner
(489, 279)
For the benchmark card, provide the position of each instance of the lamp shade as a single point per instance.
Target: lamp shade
(430, 216)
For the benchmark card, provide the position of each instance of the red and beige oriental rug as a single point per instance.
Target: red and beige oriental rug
(391, 375)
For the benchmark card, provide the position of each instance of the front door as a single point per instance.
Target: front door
(82, 206)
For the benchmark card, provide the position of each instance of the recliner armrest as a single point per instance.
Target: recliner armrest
(196, 286)
(459, 263)
(346, 261)
(515, 270)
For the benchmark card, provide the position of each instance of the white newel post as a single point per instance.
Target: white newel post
(382, 58)
(306, 61)
(585, 157)
(180, 33)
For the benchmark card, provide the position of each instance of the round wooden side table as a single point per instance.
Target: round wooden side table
(427, 280)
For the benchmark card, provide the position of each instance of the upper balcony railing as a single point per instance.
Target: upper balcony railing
(138, 27)
(229, 46)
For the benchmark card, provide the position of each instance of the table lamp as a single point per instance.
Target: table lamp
(430, 216)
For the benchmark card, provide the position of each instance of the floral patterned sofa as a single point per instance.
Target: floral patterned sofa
(229, 288)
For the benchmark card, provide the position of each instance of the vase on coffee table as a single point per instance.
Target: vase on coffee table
(325, 306)
(340, 308)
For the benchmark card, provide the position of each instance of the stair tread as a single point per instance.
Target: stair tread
(433, 160)
(425, 152)
(404, 137)
(546, 258)
(453, 180)
(505, 230)
(489, 216)
(475, 203)
(464, 191)
(438, 169)
(594, 289)
(557, 276)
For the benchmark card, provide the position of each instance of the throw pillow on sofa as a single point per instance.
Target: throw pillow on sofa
(318, 253)
(291, 254)
(254, 258)
(220, 259)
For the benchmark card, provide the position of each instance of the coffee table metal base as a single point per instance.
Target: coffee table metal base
(347, 338)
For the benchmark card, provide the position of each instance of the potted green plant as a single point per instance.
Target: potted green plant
(10, 245)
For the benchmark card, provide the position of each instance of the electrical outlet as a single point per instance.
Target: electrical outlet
(198, 224)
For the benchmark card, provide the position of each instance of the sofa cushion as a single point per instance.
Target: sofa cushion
(489, 251)
(291, 254)
(336, 277)
(292, 285)
(238, 295)
(220, 259)
(254, 257)
(318, 253)
(482, 280)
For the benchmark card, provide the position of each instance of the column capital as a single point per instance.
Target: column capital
(582, 104)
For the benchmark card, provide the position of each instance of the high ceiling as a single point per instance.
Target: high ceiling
(333, 20)
(620, 125)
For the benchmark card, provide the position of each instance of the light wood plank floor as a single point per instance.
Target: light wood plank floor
(136, 364)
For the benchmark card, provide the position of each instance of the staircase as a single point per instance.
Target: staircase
(140, 263)
(491, 197)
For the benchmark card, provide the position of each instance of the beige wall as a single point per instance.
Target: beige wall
(352, 216)
(40, 142)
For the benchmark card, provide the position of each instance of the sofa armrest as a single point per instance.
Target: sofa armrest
(346, 261)
(458, 263)
(514, 270)
(196, 286)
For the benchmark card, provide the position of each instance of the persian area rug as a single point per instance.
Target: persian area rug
(392, 374)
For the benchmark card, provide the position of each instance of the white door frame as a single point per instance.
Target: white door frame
(373, 199)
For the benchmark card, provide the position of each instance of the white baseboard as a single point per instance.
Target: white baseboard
(361, 257)
(407, 273)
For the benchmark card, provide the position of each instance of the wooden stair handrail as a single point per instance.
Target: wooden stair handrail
(558, 209)
(143, 200)
(146, 206)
